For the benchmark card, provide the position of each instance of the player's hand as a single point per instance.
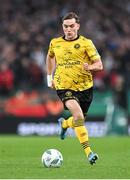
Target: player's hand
(53, 85)
(86, 67)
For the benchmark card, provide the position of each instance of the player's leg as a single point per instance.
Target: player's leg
(64, 124)
(85, 99)
(67, 123)
(80, 129)
(78, 120)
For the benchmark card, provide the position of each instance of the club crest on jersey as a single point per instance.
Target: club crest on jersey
(68, 93)
(77, 46)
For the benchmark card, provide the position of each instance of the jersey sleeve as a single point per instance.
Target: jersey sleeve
(50, 50)
(92, 51)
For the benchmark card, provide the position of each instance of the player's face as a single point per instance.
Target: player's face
(70, 28)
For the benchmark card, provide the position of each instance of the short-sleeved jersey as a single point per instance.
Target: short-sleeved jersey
(70, 57)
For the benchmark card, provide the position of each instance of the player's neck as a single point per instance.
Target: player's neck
(71, 39)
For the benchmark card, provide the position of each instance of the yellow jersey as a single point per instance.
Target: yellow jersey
(70, 57)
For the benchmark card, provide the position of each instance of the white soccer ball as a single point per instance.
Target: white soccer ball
(52, 158)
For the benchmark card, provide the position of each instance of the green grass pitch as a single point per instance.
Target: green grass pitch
(20, 157)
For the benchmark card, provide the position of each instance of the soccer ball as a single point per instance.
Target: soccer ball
(52, 158)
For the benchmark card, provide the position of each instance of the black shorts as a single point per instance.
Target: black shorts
(84, 98)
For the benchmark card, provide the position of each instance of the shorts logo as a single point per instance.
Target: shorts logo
(77, 46)
(68, 93)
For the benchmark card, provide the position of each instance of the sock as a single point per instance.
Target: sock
(82, 135)
(68, 123)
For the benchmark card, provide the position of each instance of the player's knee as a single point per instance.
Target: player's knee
(78, 120)
(78, 116)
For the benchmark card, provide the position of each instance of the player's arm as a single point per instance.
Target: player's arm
(94, 57)
(50, 67)
(95, 66)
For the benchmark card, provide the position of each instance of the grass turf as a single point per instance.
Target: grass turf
(20, 157)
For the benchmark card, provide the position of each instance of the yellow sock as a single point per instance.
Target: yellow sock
(68, 123)
(82, 135)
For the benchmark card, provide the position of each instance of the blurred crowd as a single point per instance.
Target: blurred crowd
(26, 27)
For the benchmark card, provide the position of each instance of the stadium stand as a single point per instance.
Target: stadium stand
(26, 27)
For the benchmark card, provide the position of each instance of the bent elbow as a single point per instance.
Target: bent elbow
(101, 67)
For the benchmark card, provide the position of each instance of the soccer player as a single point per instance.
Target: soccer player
(70, 61)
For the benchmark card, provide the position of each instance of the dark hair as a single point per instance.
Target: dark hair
(71, 15)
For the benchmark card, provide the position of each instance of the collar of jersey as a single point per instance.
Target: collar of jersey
(72, 39)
